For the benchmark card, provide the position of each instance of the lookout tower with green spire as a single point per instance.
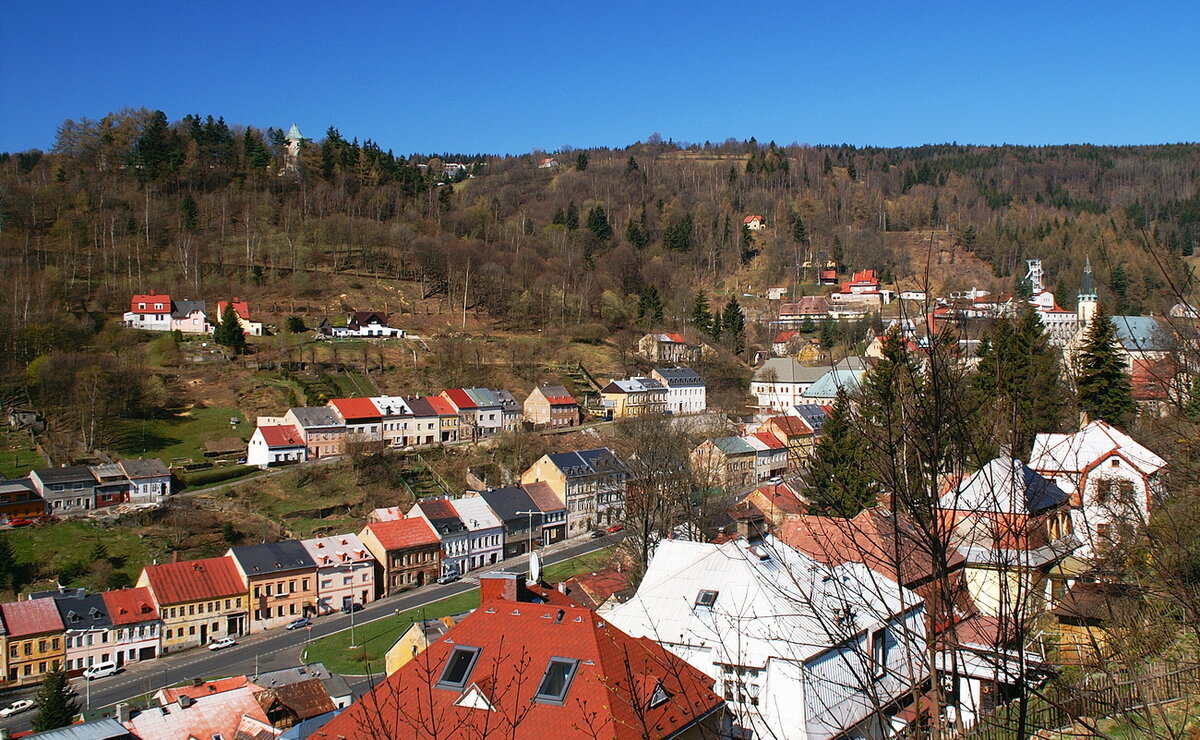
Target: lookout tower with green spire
(294, 140)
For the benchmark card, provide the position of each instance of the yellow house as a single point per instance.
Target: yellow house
(199, 601)
(413, 641)
(634, 397)
(35, 644)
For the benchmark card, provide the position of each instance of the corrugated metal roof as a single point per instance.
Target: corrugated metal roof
(1075, 453)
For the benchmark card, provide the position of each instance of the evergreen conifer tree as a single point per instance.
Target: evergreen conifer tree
(57, 702)
(229, 330)
(827, 334)
(701, 314)
(734, 325)
(631, 165)
(650, 308)
(581, 162)
(7, 565)
(572, 220)
(839, 483)
(597, 222)
(715, 329)
(190, 217)
(799, 230)
(1105, 390)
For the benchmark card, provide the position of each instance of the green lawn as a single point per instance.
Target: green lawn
(182, 435)
(80, 554)
(374, 638)
(17, 456)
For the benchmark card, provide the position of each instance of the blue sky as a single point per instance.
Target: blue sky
(498, 77)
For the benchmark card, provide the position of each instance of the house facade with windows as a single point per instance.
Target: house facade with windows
(485, 543)
(1113, 481)
(19, 500)
(280, 579)
(440, 515)
(345, 571)
(633, 397)
(781, 382)
(86, 630)
(276, 445)
(198, 601)
(34, 639)
(369, 325)
(554, 511)
(551, 407)
(323, 430)
(725, 461)
(149, 312)
(408, 554)
(513, 508)
(242, 309)
(65, 490)
(136, 628)
(188, 317)
(798, 648)
(668, 349)
(686, 392)
(591, 483)
(364, 422)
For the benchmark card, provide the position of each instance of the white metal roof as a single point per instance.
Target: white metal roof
(1074, 453)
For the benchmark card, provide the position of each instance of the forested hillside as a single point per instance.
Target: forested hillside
(199, 207)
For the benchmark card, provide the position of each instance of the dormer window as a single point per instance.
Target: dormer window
(706, 598)
(556, 681)
(659, 697)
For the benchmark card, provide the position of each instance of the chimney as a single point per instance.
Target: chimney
(750, 528)
(123, 712)
(500, 584)
(185, 701)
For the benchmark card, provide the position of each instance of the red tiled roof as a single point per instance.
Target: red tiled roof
(241, 308)
(677, 338)
(355, 408)
(792, 426)
(460, 398)
(593, 589)
(782, 497)
(869, 538)
(784, 336)
(609, 694)
(194, 580)
(284, 435)
(543, 496)
(404, 533)
(865, 276)
(748, 219)
(33, 617)
(150, 300)
(208, 688)
(770, 440)
(130, 606)
(441, 406)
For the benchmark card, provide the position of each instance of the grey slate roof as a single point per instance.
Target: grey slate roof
(733, 446)
(69, 474)
(834, 381)
(1141, 333)
(103, 729)
(311, 417)
(813, 415)
(151, 468)
(506, 502)
(273, 557)
(83, 612)
(507, 401)
(483, 397)
(583, 463)
(420, 407)
(16, 485)
(679, 377)
(787, 370)
(181, 308)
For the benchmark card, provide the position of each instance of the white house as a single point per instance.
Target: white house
(149, 480)
(276, 445)
(395, 417)
(781, 382)
(486, 544)
(799, 649)
(1113, 481)
(345, 571)
(369, 324)
(754, 222)
(151, 312)
(685, 389)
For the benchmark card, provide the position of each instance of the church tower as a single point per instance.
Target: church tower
(1086, 309)
(294, 140)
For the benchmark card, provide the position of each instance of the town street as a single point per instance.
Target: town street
(273, 649)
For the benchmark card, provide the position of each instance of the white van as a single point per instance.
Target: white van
(100, 670)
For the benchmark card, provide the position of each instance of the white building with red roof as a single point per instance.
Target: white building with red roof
(150, 311)
(363, 419)
(770, 455)
(668, 348)
(242, 309)
(754, 222)
(136, 627)
(276, 445)
(864, 287)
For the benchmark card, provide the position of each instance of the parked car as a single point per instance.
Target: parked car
(100, 670)
(18, 706)
(221, 644)
(298, 623)
(598, 533)
(352, 606)
(616, 528)
(19, 522)
(449, 578)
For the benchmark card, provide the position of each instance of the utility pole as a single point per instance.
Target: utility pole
(530, 514)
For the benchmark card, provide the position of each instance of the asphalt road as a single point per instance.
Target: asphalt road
(273, 649)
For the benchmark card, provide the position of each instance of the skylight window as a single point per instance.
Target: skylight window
(458, 667)
(659, 697)
(556, 681)
(706, 598)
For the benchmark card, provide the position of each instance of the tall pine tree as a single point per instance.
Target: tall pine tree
(1105, 390)
(837, 476)
(228, 332)
(57, 702)
(597, 222)
(701, 314)
(734, 325)
(650, 308)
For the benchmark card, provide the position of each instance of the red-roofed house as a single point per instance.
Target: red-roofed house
(151, 312)
(242, 309)
(276, 445)
(551, 407)
(35, 639)
(668, 349)
(447, 417)
(136, 627)
(198, 601)
(364, 421)
(813, 308)
(775, 502)
(796, 434)
(754, 222)
(863, 287)
(827, 276)
(523, 670)
(467, 410)
(408, 553)
(770, 455)
(230, 713)
(786, 342)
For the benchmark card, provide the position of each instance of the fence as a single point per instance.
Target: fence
(1062, 707)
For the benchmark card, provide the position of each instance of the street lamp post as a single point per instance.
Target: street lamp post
(530, 513)
(353, 644)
